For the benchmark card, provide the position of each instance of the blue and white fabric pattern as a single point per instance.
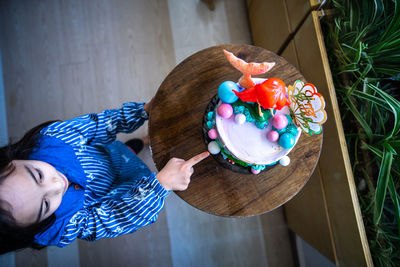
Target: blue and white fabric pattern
(113, 192)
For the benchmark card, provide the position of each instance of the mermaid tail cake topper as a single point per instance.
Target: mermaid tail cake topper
(247, 69)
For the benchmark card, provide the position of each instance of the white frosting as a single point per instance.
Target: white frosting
(249, 143)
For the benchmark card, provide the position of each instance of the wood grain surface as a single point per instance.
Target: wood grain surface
(175, 129)
(67, 58)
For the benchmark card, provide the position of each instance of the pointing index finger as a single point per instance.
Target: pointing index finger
(196, 159)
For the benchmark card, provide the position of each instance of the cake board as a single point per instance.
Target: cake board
(175, 128)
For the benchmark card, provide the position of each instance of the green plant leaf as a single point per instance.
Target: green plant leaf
(358, 116)
(394, 104)
(382, 184)
(387, 146)
(373, 149)
(395, 143)
(395, 199)
(394, 23)
(371, 98)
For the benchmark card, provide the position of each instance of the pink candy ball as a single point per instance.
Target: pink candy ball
(279, 121)
(225, 111)
(255, 171)
(213, 134)
(273, 136)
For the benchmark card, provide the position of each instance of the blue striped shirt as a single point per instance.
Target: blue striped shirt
(114, 192)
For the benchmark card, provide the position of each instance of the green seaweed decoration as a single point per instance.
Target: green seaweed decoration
(252, 115)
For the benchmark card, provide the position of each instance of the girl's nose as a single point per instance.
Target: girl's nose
(54, 186)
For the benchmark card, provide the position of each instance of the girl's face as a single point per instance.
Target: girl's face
(34, 191)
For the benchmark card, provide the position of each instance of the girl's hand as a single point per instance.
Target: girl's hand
(176, 174)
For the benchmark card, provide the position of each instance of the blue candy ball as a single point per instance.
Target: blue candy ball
(287, 140)
(225, 92)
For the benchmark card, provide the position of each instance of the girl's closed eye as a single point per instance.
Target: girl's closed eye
(46, 206)
(40, 174)
(46, 203)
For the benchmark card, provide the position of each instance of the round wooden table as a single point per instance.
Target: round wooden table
(175, 128)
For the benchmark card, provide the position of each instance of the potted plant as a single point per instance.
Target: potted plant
(363, 44)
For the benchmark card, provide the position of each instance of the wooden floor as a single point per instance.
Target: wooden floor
(62, 59)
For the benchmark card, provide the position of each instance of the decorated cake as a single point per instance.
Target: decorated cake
(252, 125)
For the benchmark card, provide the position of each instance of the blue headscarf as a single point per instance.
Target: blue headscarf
(62, 157)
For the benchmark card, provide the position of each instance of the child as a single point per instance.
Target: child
(71, 179)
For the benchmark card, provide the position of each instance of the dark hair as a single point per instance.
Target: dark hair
(13, 236)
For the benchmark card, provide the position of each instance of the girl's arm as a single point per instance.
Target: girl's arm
(136, 208)
(123, 215)
(100, 127)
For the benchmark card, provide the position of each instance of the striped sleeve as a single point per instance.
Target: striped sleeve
(99, 127)
(138, 207)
